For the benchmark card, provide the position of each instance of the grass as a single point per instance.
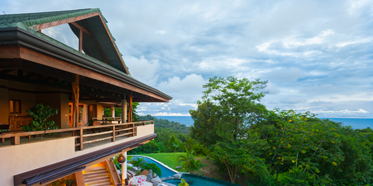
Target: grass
(169, 159)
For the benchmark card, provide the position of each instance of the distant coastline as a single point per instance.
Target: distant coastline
(356, 123)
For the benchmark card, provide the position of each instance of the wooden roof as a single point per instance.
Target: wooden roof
(98, 41)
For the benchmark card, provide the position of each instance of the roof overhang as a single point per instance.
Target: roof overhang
(66, 167)
(18, 43)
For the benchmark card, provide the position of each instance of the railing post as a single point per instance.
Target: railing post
(15, 140)
(133, 129)
(81, 138)
(113, 140)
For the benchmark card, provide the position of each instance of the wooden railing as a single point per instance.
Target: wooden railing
(123, 129)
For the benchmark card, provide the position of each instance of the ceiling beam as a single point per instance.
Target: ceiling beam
(81, 28)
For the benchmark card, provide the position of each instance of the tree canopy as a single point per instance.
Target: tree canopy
(228, 108)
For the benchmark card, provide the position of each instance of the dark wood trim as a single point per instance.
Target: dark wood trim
(81, 28)
(61, 65)
(34, 92)
(64, 168)
(68, 20)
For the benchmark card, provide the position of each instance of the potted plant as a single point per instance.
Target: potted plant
(40, 115)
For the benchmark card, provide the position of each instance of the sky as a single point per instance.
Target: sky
(316, 55)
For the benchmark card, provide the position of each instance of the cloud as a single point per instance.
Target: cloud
(143, 69)
(315, 54)
(285, 74)
(189, 89)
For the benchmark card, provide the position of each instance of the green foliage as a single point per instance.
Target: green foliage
(190, 164)
(306, 150)
(40, 115)
(153, 167)
(118, 111)
(205, 124)
(69, 182)
(55, 183)
(183, 182)
(167, 141)
(138, 162)
(116, 163)
(238, 160)
(259, 147)
(230, 106)
(163, 123)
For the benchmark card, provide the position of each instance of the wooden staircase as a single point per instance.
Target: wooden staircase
(97, 175)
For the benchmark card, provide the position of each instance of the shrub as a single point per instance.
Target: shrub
(40, 115)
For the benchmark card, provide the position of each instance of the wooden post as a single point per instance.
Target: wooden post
(112, 112)
(133, 129)
(81, 138)
(130, 109)
(113, 139)
(124, 110)
(16, 140)
(81, 40)
(75, 86)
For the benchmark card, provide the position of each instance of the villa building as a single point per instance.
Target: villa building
(80, 83)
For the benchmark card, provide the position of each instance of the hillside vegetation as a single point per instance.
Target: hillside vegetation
(163, 123)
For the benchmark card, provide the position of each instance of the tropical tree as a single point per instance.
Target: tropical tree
(189, 163)
(229, 107)
(238, 161)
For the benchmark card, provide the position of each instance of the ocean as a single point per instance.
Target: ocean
(356, 123)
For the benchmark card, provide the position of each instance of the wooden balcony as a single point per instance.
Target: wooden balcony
(85, 136)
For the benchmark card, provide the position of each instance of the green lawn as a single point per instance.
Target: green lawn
(169, 159)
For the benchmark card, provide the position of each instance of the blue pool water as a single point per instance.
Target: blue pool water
(200, 181)
(165, 171)
(195, 180)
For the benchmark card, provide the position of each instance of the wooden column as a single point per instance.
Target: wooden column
(81, 138)
(124, 110)
(130, 109)
(113, 111)
(124, 168)
(75, 86)
(80, 41)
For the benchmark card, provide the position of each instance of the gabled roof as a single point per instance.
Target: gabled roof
(98, 41)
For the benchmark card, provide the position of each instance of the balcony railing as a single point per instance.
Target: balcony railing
(84, 135)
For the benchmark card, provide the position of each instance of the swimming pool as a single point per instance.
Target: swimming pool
(200, 180)
(195, 179)
(166, 172)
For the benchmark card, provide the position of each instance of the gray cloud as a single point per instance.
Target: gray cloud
(315, 54)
